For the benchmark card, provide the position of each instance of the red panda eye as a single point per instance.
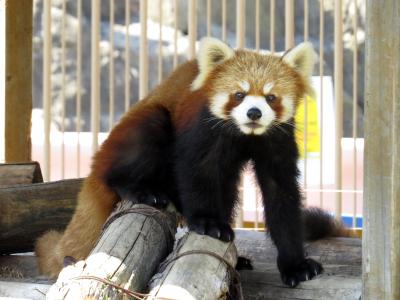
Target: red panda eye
(239, 96)
(270, 98)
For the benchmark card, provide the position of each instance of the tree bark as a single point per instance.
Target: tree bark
(20, 173)
(126, 255)
(27, 211)
(197, 275)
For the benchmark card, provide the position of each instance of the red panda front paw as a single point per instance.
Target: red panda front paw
(210, 227)
(157, 200)
(306, 270)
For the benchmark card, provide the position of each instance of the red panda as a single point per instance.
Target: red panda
(187, 142)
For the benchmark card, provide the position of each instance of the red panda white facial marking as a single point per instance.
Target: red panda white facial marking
(270, 87)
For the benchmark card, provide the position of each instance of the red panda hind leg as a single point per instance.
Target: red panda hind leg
(134, 161)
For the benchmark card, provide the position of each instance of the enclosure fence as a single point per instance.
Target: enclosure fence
(88, 84)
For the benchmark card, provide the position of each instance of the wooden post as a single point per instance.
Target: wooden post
(17, 49)
(381, 237)
(135, 240)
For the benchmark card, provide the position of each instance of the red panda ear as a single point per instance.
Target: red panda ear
(302, 58)
(212, 52)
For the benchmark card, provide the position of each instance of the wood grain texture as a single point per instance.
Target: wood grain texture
(20, 173)
(127, 253)
(18, 80)
(22, 290)
(381, 233)
(341, 259)
(28, 211)
(195, 276)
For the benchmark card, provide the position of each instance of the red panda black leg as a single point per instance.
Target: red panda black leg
(141, 168)
(282, 203)
(207, 177)
(211, 227)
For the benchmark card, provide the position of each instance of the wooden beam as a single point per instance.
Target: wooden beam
(20, 173)
(27, 211)
(18, 79)
(381, 237)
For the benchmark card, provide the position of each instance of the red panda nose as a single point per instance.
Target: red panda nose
(254, 114)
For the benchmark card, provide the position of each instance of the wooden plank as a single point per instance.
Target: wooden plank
(195, 276)
(21, 267)
(30, 210)
(22, 290)
(381, 237)
(20, 173)
(18, 80)
(341, 259)
(127, 254)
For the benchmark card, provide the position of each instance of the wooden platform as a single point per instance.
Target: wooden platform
(341, 258)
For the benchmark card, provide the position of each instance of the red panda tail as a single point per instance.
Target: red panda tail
(319, 224)
(95, 202)
(46, 253)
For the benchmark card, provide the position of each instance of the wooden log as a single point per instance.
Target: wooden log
(28, 211)
(20, 173)
(126, 255)
(196, 275)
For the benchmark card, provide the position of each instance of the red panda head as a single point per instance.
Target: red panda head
(254, 91)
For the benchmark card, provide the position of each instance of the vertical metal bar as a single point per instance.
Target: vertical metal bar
(257, 29)
(224, 20)
(289, 24)
(256, 220)
(143, 52)
(355, 111)
(79, 85)
(47, 47)
(272, 26)
(192, 28)
(240, 43)
(305, 133)
(338, 75)
(321, 111)
(64, 12)
(208, 17)
(175, 33)
(95, 74)
(240, 23)
(127, 55)
(306, 19)
(111, 70)
(160, 53)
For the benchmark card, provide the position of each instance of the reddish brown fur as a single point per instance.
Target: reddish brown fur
(96, 199)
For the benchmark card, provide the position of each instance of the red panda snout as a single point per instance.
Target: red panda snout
(254, 114)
